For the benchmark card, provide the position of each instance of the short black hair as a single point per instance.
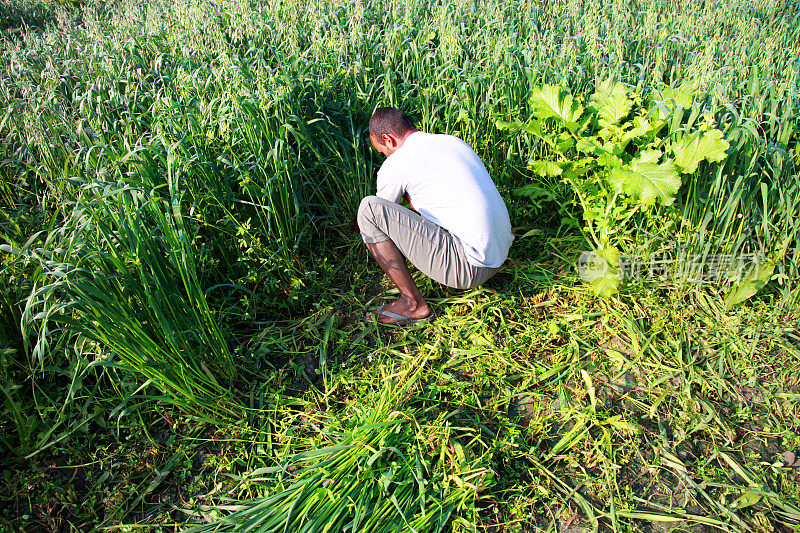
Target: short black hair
(389, 120)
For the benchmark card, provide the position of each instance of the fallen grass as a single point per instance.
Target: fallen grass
(653, 408)
(608, 414)
(384, 466)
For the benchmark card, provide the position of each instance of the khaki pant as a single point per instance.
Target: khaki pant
(429, 247)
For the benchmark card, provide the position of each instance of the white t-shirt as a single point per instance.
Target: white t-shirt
(447, 183)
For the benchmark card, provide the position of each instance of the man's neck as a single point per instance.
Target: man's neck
(401, 140)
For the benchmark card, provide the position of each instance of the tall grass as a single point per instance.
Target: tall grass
(121, 273)
(276, 95)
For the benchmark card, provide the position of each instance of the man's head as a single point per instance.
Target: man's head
(388, 129)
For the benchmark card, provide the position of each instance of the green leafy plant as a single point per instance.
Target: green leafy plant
(616, 157)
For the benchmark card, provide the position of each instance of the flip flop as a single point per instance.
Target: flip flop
(399, 320)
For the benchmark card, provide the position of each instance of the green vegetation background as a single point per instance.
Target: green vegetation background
(180, 296)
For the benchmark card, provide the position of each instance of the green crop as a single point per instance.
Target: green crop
(621, 156)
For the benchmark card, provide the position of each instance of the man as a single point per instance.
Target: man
(461, 232)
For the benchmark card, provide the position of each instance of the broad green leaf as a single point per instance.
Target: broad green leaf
(588, 145)
(641, 127)
(677, 96)
(566, 144)
(609, 160)
(546, 168)
(550, 101)
(534, 127)
(535, 231)
(578, 169)
(656, 125)
(607, 285)
(612, 102)
(692, 149)
(757, 276)
(615, 148)
(513, 127)
(533, 191)
(592, 213)
(746, 500)
(647, 181)
(599, 269)
(583, 165)
(650, 156)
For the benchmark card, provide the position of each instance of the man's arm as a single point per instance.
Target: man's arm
(389, 186)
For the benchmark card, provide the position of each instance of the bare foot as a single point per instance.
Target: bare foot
(411, 305)
(407, 307)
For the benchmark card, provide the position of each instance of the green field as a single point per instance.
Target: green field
(181, 295)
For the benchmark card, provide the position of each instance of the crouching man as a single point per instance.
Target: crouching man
(460, 234)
